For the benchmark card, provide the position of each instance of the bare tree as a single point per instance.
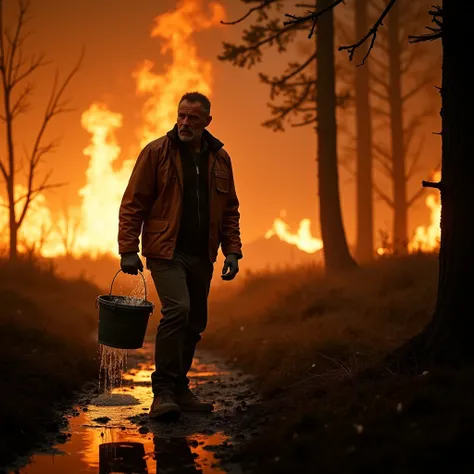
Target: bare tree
(16, 72)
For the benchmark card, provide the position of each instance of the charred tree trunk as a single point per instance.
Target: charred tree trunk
(13, 227)
(400, 208)
(336, 252)
(453, 320)
(447, 340)
(365, 214)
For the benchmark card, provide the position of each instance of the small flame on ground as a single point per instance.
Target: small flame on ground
(302, 239)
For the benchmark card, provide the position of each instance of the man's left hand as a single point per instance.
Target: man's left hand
(230, 268)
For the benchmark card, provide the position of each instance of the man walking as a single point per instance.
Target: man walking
(181, 197)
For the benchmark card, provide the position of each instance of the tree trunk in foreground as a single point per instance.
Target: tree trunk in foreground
(336, 253)
(448, 339)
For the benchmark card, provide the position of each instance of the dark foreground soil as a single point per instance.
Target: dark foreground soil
(47, 352)
(310, 342)
(390, 424)
(307, 340)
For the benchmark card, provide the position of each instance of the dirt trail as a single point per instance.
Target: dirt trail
(114, 434)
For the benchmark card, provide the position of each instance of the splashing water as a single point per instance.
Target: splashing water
(129, 301)
(137, 294)
(113, 363)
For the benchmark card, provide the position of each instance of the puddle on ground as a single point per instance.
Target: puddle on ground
(113, 434)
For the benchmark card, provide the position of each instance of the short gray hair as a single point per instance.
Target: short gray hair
(197, 97)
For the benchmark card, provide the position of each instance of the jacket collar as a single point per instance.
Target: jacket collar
(213, 143)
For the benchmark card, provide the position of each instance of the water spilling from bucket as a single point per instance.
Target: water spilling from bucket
(137, 296)
(113, 363)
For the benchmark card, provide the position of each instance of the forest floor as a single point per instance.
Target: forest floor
(310, 341)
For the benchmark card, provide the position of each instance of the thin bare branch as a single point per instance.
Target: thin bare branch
(264, 4)
(40, 189)
(282, 111)
(415, 197)
(379, 95)
(415, 158)
(21, 104)
(409, 57)
(414, 122)
(382, 151)
(14, 42)
(313, 16)
(435, 33)
(379, 81)
(385, 168)
(4, 171)
(375, 61)
(308, 121)
(371, 34)
(242, 54)
(35, 63)
(53, 108)
(382, 195)
(380, 111)
(276, 83)
(425, 81)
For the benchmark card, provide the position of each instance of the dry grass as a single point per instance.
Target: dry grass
(287, 327)
(308, 339)
(47, 348)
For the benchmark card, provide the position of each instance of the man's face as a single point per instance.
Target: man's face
(192, 120)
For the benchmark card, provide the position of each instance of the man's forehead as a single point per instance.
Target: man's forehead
(191, 107)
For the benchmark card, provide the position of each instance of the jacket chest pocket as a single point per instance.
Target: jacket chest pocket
(222, 180)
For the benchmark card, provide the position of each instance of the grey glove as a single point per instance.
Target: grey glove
(231, 267)
(130, 263)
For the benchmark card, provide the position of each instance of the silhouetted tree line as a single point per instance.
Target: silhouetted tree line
(380, 92)
(446, 341)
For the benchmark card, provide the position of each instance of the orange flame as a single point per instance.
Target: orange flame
(187, 71)
(92, 228)
(302, 239)
(425, 239)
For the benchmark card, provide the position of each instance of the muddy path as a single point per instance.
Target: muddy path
(112, 433)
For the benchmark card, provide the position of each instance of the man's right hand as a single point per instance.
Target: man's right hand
(130, 263)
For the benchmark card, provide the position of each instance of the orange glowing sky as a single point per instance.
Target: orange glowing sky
(274, 171)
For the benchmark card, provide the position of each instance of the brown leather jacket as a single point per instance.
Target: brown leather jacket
(152, 202)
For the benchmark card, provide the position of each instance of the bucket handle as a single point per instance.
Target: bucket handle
(112, 284)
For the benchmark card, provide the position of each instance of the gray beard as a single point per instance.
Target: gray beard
(185, 138)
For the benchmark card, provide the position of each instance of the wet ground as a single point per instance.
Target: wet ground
(112, 433)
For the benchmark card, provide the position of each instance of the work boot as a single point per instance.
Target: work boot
(164, 408)
(187, 401)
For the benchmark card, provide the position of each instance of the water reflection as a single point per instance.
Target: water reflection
(170, 455)
(126, 458)
(106, 439)
(174, 455)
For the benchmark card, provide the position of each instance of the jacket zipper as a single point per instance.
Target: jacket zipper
(197, 193)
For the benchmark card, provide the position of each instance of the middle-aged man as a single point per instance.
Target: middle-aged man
(182, 192)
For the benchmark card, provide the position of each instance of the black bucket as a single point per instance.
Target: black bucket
(122, 319)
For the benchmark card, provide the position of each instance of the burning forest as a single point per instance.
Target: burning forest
(214, 210)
